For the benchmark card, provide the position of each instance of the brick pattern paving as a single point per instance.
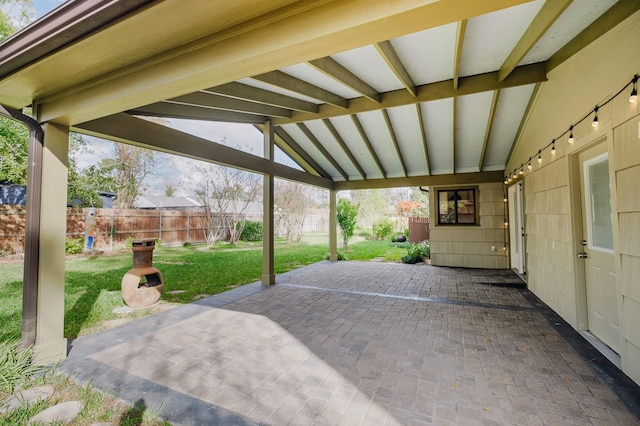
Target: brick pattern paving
(354, 343)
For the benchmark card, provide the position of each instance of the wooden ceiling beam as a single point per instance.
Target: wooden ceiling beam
(423, 134)
(394, 139)
(339, 73)
(612, 17)
(432, 180)
(524, 75)
(244, 91)
(487, 134)
(189, 112)
(286, 81)
(136, 131)
(290, 152)
(367, 143)
(322, 150)
(344, 147)
(210, 100)
(548, 14)
(282, 134)
(462, 29)
(392, 59)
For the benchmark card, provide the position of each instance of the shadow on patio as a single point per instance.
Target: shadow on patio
(354, 343)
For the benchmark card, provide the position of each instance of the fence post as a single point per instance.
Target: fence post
(111, 231)
(188, 225)
(160, 226)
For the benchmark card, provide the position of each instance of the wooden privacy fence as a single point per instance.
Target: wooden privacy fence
(112, 227)
(418, 229)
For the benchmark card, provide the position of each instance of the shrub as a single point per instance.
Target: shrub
(252, 231)
(382, 229)
(74, 245)
(15, 366)
(341, 256)
(416, 253)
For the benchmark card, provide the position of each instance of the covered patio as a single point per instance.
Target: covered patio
(360, 343)
(510, 103)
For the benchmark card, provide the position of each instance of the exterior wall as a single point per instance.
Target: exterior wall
(573, 89)
(470, 246)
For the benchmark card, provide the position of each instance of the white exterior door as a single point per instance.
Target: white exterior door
(516, 228)
(597, 253)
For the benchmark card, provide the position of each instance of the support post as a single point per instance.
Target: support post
(268, 275)
(333, 224)
(50, 344)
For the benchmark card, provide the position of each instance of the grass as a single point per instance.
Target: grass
(92, 291)
(92, 287)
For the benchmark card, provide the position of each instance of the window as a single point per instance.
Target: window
(457, 207)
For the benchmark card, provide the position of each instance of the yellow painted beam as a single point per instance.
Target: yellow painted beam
(528, 74)
(298, 33)
(612, 17)
(462, 30)
(487, 134)
(136, 131)
(432, 180)
(550, 11)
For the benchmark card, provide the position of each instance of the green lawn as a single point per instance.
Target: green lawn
(93, 282)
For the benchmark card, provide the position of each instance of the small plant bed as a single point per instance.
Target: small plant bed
(417, 253)
(18, 375)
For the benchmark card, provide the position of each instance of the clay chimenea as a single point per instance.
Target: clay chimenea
(142, 285)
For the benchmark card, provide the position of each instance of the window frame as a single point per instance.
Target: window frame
(473, 190)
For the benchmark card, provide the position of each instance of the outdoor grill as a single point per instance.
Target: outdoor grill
(142, 285)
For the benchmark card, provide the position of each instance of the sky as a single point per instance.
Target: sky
(179, 172)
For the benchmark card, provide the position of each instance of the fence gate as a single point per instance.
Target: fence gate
(418, 229)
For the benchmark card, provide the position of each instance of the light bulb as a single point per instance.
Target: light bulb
(521, 172)
(634, 91)
(529, 166)
(595, 122)
(504, 199)
(539, 158)
(570, 140)
(553, 147)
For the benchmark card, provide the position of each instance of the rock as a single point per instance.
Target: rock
(28, 396)
(122, 310)
(200, 296)
(63, 412)
(176, 291)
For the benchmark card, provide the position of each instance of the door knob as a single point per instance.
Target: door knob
(582, 255)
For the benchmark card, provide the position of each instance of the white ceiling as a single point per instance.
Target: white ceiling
(449, 99)
(462, 134)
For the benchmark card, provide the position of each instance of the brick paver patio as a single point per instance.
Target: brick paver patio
(353, 343)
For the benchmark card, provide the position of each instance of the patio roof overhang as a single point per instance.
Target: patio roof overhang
(362, 94)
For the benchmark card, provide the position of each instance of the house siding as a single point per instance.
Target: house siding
(572, 90)
(470, 246)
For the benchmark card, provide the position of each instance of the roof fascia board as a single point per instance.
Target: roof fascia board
(61, 27)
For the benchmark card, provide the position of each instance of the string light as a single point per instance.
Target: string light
(570, 140)
(633, 98)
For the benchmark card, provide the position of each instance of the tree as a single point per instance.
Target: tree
(406, 209)
(169, 190)
(347, 213)
(14, 14)
(292, 204)
(226, 193)
(13, 152)
(127, 168)
(373, 206)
